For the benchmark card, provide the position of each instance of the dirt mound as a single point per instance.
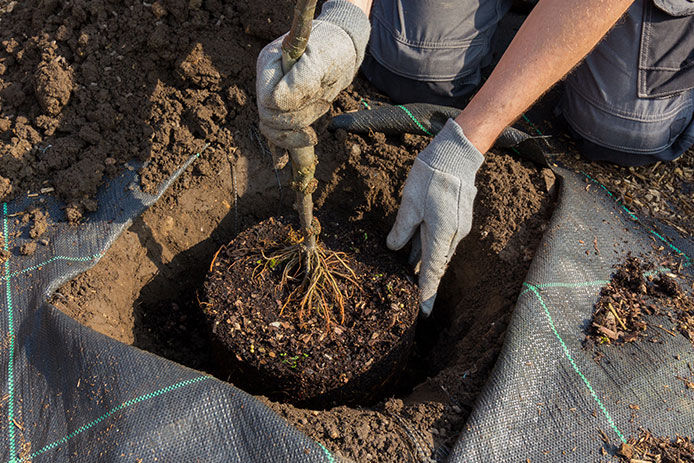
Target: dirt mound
(53, 83)
(119, 81)
(159, 83)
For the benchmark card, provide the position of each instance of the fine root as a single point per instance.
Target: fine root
(313, 275)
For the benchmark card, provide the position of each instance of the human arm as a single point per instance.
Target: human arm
(439, 192)
(554, 38)
(364, 5)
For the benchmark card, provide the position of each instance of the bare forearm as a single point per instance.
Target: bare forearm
(365, 5)
(553, 39)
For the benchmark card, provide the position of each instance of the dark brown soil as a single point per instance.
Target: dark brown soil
(143, 291)
(301, 356)
(88, 85)
(648, 448)
(634, 292)
(158, 83)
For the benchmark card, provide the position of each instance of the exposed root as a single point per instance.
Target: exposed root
(313, 275)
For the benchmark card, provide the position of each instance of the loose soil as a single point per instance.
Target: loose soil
(635, 291)
(87, 86)
(302, 356)
(648, 448)
(97, 83)
(158, 83)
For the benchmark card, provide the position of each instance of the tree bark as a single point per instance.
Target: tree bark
(303, 159)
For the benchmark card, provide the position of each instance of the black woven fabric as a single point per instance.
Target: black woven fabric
(547, 398)
(71, 394)
(418, 118)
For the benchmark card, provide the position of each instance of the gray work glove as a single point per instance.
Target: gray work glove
(289, 104)
(437, 200)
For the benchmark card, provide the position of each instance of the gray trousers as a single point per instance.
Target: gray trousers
(631, 101)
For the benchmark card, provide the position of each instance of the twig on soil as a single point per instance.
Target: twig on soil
(236, 197)
(215, 258)
(666, 330)
(614, 312)
(17, 424)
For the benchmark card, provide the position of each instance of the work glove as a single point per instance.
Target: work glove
(437, 202)
(289, 104)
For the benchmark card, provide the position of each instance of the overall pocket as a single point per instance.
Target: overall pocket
(666, 57)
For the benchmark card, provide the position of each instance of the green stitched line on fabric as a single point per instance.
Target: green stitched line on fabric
(566, 285)
(52, 259)
(594, 283)
(635, 217)
(415, 120)
(631, 214)
(197, 155)
(532, 125)
(10, 330)
(328, 455)
(573, 363)
(106, 415)
(670, 245)
(366, 105)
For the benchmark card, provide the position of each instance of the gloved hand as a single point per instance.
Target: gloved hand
(437, 201)
(289, 104)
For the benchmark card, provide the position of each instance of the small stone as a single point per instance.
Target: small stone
(626, 450)
(28, 249)
(5, 188)
(356, 150)
(549, 179)
(158, 10)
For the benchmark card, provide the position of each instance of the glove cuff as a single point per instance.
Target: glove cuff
(451, 152)
(352, 20)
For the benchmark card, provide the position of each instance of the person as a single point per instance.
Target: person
(630, 100)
